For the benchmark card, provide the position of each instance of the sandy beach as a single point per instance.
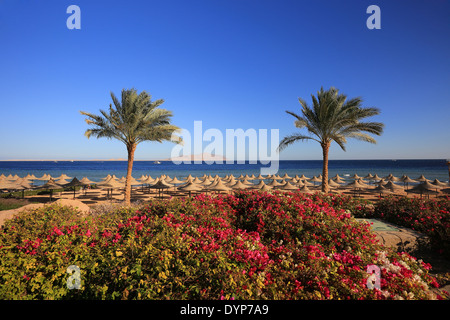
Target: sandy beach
(145, 188)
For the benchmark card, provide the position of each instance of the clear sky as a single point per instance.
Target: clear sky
(229, 63)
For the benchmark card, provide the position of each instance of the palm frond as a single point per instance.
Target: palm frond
(291, 139)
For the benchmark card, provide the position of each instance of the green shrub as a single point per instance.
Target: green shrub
(251, 245)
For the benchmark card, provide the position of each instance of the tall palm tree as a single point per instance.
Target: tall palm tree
(133, 120)
(333, 118)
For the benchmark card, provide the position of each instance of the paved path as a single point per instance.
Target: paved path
(394, 236)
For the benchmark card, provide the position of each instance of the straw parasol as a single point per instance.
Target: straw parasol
(356, 177)
(333, 184)
(315, 179)
(50, 185)
(218, 186)
(439, 184)
(285, 176)
(392, 186)
(261, 185)
(422, 178)
(239, 186)
(6, 184)
(30, 177)
(61, 181)
(142, 178)
(110, 185)
(175, 180)
(287, 186)
(62, 177)
(423, 188)
(381, 182)
(356, 185)
(20, 184)
(160, 185)
(74, 183)
(86, 181)
(45, 177)
(190, 187)
(303, 177)
(265, 188)
(407, 180)
(369, 176)
(305, 189)
(245, 181)
(338, 179)
(391, 177)
(381, 190)
(274, 183)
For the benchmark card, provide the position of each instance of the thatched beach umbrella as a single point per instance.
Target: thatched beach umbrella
(333, 184)
(50, 185)
(338, 179)
(303, 177)
(305, 189)
(160, 185)
(376, 177)
(356, 186)
(285, 176)
(62, 176)
(381, 182)
(407, 180)
(45, 177)
(265, 188)
(74, 183)
(110, 185)
(381, 190)
(190, 187)
(238, 185)
(392, 187)
(356, 177)
(391, 177)
(422, 178)
(424, 188)
(287, 186)
(274, 183)
(315, 179)
(439, 184)
(218, 186)
(261, 185)
(6, 184)
(87, 182)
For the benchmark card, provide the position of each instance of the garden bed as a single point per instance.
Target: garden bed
(251, 245)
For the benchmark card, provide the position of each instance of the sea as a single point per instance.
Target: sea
(97, 170)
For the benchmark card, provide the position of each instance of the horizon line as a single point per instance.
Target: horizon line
(219, 159)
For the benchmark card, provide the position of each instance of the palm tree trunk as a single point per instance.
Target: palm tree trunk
(325, 149)
(130, 148)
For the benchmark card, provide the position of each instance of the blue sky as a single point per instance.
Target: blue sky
(229, 63)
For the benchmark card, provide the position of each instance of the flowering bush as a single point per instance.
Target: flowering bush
(250, 245)
(428, 216)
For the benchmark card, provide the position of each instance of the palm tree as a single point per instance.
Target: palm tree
(333, 118)
(133, 120)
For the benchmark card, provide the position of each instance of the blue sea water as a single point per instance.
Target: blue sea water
(96, 170)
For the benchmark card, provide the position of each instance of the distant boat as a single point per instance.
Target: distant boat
(157, 162)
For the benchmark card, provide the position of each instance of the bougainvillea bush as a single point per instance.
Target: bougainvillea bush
(250, 245)
(427, 216)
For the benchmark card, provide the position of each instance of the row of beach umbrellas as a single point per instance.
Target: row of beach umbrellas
(207, 183)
